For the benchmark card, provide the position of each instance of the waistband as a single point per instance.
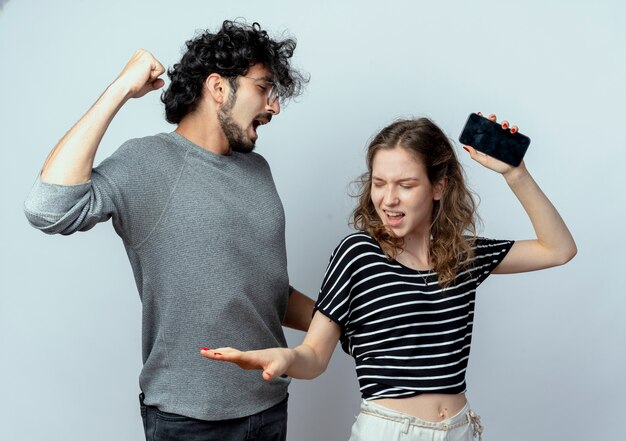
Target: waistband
(464, 417)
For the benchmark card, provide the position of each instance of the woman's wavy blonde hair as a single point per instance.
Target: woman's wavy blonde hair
(454, 215)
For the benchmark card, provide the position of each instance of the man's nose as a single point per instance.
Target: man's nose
(273, 108)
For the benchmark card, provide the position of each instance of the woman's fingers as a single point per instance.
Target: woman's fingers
(487, 161)
(269, 373)
(222, 354)
(505, 124)
(475, 154)
(270, 361)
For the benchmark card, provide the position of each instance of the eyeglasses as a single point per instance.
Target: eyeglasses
(272, 93)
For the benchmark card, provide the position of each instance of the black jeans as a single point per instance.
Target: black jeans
(268, 425)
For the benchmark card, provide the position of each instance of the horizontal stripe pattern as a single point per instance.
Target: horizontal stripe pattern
(407, 334)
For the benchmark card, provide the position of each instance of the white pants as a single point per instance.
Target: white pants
(378, 423)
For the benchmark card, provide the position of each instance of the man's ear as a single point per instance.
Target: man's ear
(439, 188)
(217, 88)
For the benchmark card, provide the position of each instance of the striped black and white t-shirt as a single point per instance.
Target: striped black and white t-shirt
(407, 335)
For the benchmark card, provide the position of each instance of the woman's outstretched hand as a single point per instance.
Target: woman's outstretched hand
(489, 161)
(306, 361)
(273, 362)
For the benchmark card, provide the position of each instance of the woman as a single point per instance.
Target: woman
(400, 292)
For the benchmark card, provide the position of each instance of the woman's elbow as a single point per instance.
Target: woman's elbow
(566, 254)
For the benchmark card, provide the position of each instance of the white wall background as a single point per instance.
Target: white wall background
(549, 348)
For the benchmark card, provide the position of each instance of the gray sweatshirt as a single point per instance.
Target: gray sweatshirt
(205, 236)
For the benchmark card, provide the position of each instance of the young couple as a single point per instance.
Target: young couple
(398, 294)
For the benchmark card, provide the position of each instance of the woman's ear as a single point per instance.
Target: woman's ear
(439, 188)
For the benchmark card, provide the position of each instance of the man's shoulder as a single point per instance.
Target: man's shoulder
(152, 145)
(150, 155)
(256, 159)
(149, 151)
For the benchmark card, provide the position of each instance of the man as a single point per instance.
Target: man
(202, 224)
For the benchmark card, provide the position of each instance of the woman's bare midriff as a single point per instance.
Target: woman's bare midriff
(428, 407)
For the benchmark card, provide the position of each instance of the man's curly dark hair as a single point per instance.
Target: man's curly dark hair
(230, 52)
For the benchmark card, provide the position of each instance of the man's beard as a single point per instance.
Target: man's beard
(237, 141)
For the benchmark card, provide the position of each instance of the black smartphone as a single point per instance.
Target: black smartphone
(490, 138)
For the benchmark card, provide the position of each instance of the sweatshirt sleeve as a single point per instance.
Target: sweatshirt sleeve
(131, 187)
(65, 209)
